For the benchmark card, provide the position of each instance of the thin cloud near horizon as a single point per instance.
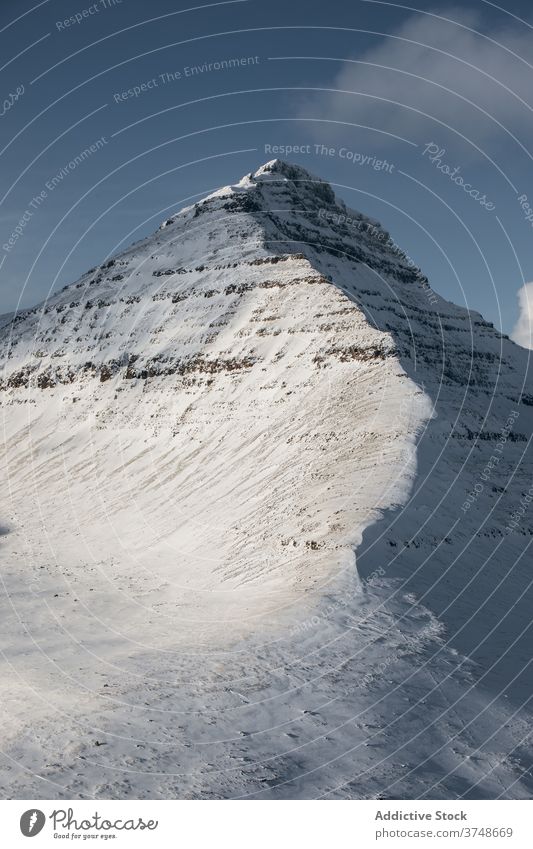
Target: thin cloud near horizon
(523, 330)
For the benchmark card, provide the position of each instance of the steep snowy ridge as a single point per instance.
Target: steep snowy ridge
(224, 345)
(237, 462)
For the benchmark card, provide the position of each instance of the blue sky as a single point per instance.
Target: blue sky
(442, 93)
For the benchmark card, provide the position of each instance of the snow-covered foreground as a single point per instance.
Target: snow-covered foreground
(236, 559)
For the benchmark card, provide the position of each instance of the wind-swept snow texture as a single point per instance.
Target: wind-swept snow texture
(265, 528)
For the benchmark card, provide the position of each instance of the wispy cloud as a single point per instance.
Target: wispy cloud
(523, 329)
(443, 68)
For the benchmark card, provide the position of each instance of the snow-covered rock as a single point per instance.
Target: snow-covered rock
(265, 525)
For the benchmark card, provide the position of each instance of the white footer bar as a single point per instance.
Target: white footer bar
(268, 825)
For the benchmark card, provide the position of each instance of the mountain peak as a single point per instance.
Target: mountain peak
(277, 170)
(295, 182)
(278, 167)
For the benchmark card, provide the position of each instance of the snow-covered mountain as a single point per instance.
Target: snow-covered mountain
(266, 519)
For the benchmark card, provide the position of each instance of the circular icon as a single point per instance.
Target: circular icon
(32, 822)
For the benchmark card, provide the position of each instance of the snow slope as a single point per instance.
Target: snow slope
(234, 554)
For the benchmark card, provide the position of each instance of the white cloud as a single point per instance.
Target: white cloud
(421, 55)
(523, 329)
